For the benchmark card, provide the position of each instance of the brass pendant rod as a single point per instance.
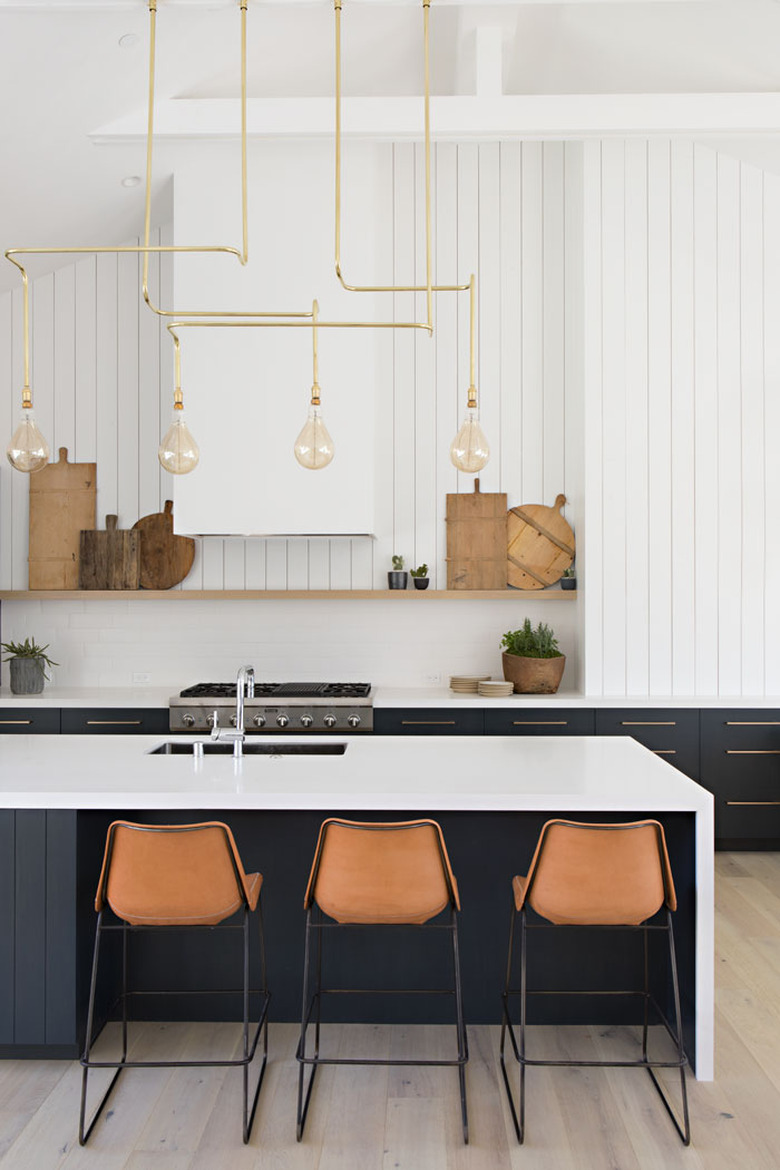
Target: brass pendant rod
(298, 323)
(472, 391)
(315, 386)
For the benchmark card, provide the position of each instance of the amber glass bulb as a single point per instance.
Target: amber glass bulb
(28, 450)
(178, 452)
(314, 446)
(469, 450)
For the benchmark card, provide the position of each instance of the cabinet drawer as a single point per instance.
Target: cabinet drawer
(539, 721)
(29, 721)
(671, 734)
(114, 721)
(739, 731)
(427, 721)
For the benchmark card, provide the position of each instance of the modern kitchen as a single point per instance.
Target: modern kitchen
(390, 392)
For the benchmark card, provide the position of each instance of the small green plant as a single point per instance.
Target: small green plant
(421, 572)
(398, 564)
(28, 649)
(570, 572)
(528, 642)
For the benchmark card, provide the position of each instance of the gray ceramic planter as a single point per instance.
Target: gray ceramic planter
(27, 676)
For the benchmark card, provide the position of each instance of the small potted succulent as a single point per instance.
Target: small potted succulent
(532, 660)
(569, 578)
(28, 665)
(397, 578)
(420, 576)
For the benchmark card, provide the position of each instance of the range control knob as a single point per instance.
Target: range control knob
(306, 720)
(329, 721)
(212, 719)
(233, 721)
(188, 720)
(259, 720)
(282, 720)
(353, 720)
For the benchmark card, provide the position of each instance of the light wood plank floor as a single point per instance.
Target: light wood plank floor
(408, 1119)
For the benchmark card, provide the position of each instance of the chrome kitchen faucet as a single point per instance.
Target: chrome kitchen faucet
(245, 687)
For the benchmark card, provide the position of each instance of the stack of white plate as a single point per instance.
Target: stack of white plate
(495, 689)
(466, 684)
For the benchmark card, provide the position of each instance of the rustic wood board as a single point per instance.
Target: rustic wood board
(166, 559)
(110, 559)
(62, 503)
(540, 545)
(476, 540)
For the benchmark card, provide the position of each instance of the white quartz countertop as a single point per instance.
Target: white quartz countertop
(139, 697)
(471, 773)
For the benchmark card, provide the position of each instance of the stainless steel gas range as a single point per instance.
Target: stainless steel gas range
(301, 707)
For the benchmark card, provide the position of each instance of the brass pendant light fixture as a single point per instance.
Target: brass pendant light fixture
(178, 452)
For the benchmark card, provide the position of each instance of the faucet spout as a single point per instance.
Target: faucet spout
(245, 686)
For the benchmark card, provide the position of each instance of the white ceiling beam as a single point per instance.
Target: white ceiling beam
(566, 116)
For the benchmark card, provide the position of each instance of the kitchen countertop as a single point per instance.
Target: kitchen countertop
(135, 697)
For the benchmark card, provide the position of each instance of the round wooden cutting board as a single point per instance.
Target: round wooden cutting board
(540, 545)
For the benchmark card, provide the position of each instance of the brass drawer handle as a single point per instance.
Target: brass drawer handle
(427, 722)
(16, 722)
(767, 723)
(751, 803)
(649, 723)
(664, 751)
(753, 751)
(540, 722)
(113, 723)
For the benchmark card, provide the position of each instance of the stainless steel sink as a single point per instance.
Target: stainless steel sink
(283, 748)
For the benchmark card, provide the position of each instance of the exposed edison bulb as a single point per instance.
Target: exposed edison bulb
(469, 450)
(314, 446)
(178, 452)
(28, 450)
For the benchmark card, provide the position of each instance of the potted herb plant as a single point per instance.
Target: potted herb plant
(397, 578)
(420, 576)
(569, 578)
(28, 665)
(532, 661)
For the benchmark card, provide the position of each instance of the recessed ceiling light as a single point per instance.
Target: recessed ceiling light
(131, 180)
(129, 40)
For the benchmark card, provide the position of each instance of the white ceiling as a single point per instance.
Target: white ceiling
(64, 75)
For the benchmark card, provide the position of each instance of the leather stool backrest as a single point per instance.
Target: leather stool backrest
(179, 875)
(600, 874)
(396, 872)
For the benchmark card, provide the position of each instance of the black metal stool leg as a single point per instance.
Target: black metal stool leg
(506, 1025)
(85, 1132)
(303, 1101)
(250, 1108)
(463, 1044)
(684, 1129)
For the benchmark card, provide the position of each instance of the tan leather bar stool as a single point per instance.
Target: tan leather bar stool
(184, 877)
(611, 876)
(394, 875)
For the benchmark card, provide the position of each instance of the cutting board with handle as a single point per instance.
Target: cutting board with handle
(62, 503)
(109, 559)
(476, 540)
(540, 545)
(166, 559)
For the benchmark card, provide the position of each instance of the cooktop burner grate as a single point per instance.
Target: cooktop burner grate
(280, 690)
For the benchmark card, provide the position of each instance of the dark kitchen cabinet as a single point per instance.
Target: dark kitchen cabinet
(29, 720)
(114, 721)
(539, 721)
(671, 734)
(740, 765)
(428, 721)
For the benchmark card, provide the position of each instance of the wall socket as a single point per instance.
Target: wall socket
(433, 679)
(141, 680)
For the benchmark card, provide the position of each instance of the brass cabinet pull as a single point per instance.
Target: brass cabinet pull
(664, 751)
(753, 751)
(648, 723)
(113, 723)
(427, 722)
(751, 803)
(16, 722)
(540, 722)
(765, 723)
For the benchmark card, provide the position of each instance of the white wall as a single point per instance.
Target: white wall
(682, 373)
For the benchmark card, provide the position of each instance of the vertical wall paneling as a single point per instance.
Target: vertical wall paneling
(468, 262)
(489, 304)
(319, 564)
(509, 437)
(10, 400)
(19, 484)
(85, 359)
(64, 364)
(30, 927)
(213, 557)
(553, 419)
(150, 391)
(340, 564)
(426, 505)
(532, 303)
(451, 378)
(574, 375)
(364, 569)
(128, 299)
(682, 420)
(593, 609)
(234, 564)
(705, 358)
(404, 350)
(107, 386)
(255, 564)
(276, 564)
(298, 564)
(771, 301)
(7, 905)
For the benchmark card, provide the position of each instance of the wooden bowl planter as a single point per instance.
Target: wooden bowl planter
(533, 676)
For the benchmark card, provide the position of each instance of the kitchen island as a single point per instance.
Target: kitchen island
(58, 793)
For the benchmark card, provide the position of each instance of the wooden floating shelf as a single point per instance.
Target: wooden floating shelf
(399, 595)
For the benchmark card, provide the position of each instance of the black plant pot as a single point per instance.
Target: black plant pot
(421, 582)
(568, 582)
(397, 579)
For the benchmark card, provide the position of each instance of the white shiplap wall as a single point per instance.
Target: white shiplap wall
(102, 373)
(682, 409)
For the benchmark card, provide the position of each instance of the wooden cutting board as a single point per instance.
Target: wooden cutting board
(62, 503)
(110, 559)
(476, 540)
(540, 545)
(166, 559)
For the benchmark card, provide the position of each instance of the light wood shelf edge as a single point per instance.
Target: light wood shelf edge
(398, 595)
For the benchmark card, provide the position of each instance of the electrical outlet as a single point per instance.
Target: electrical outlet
(433, 679)
(141, 680)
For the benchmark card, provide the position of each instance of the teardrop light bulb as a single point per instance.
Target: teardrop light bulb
(28, 450)
(314, 446)
(178, 452)
(469, 450)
